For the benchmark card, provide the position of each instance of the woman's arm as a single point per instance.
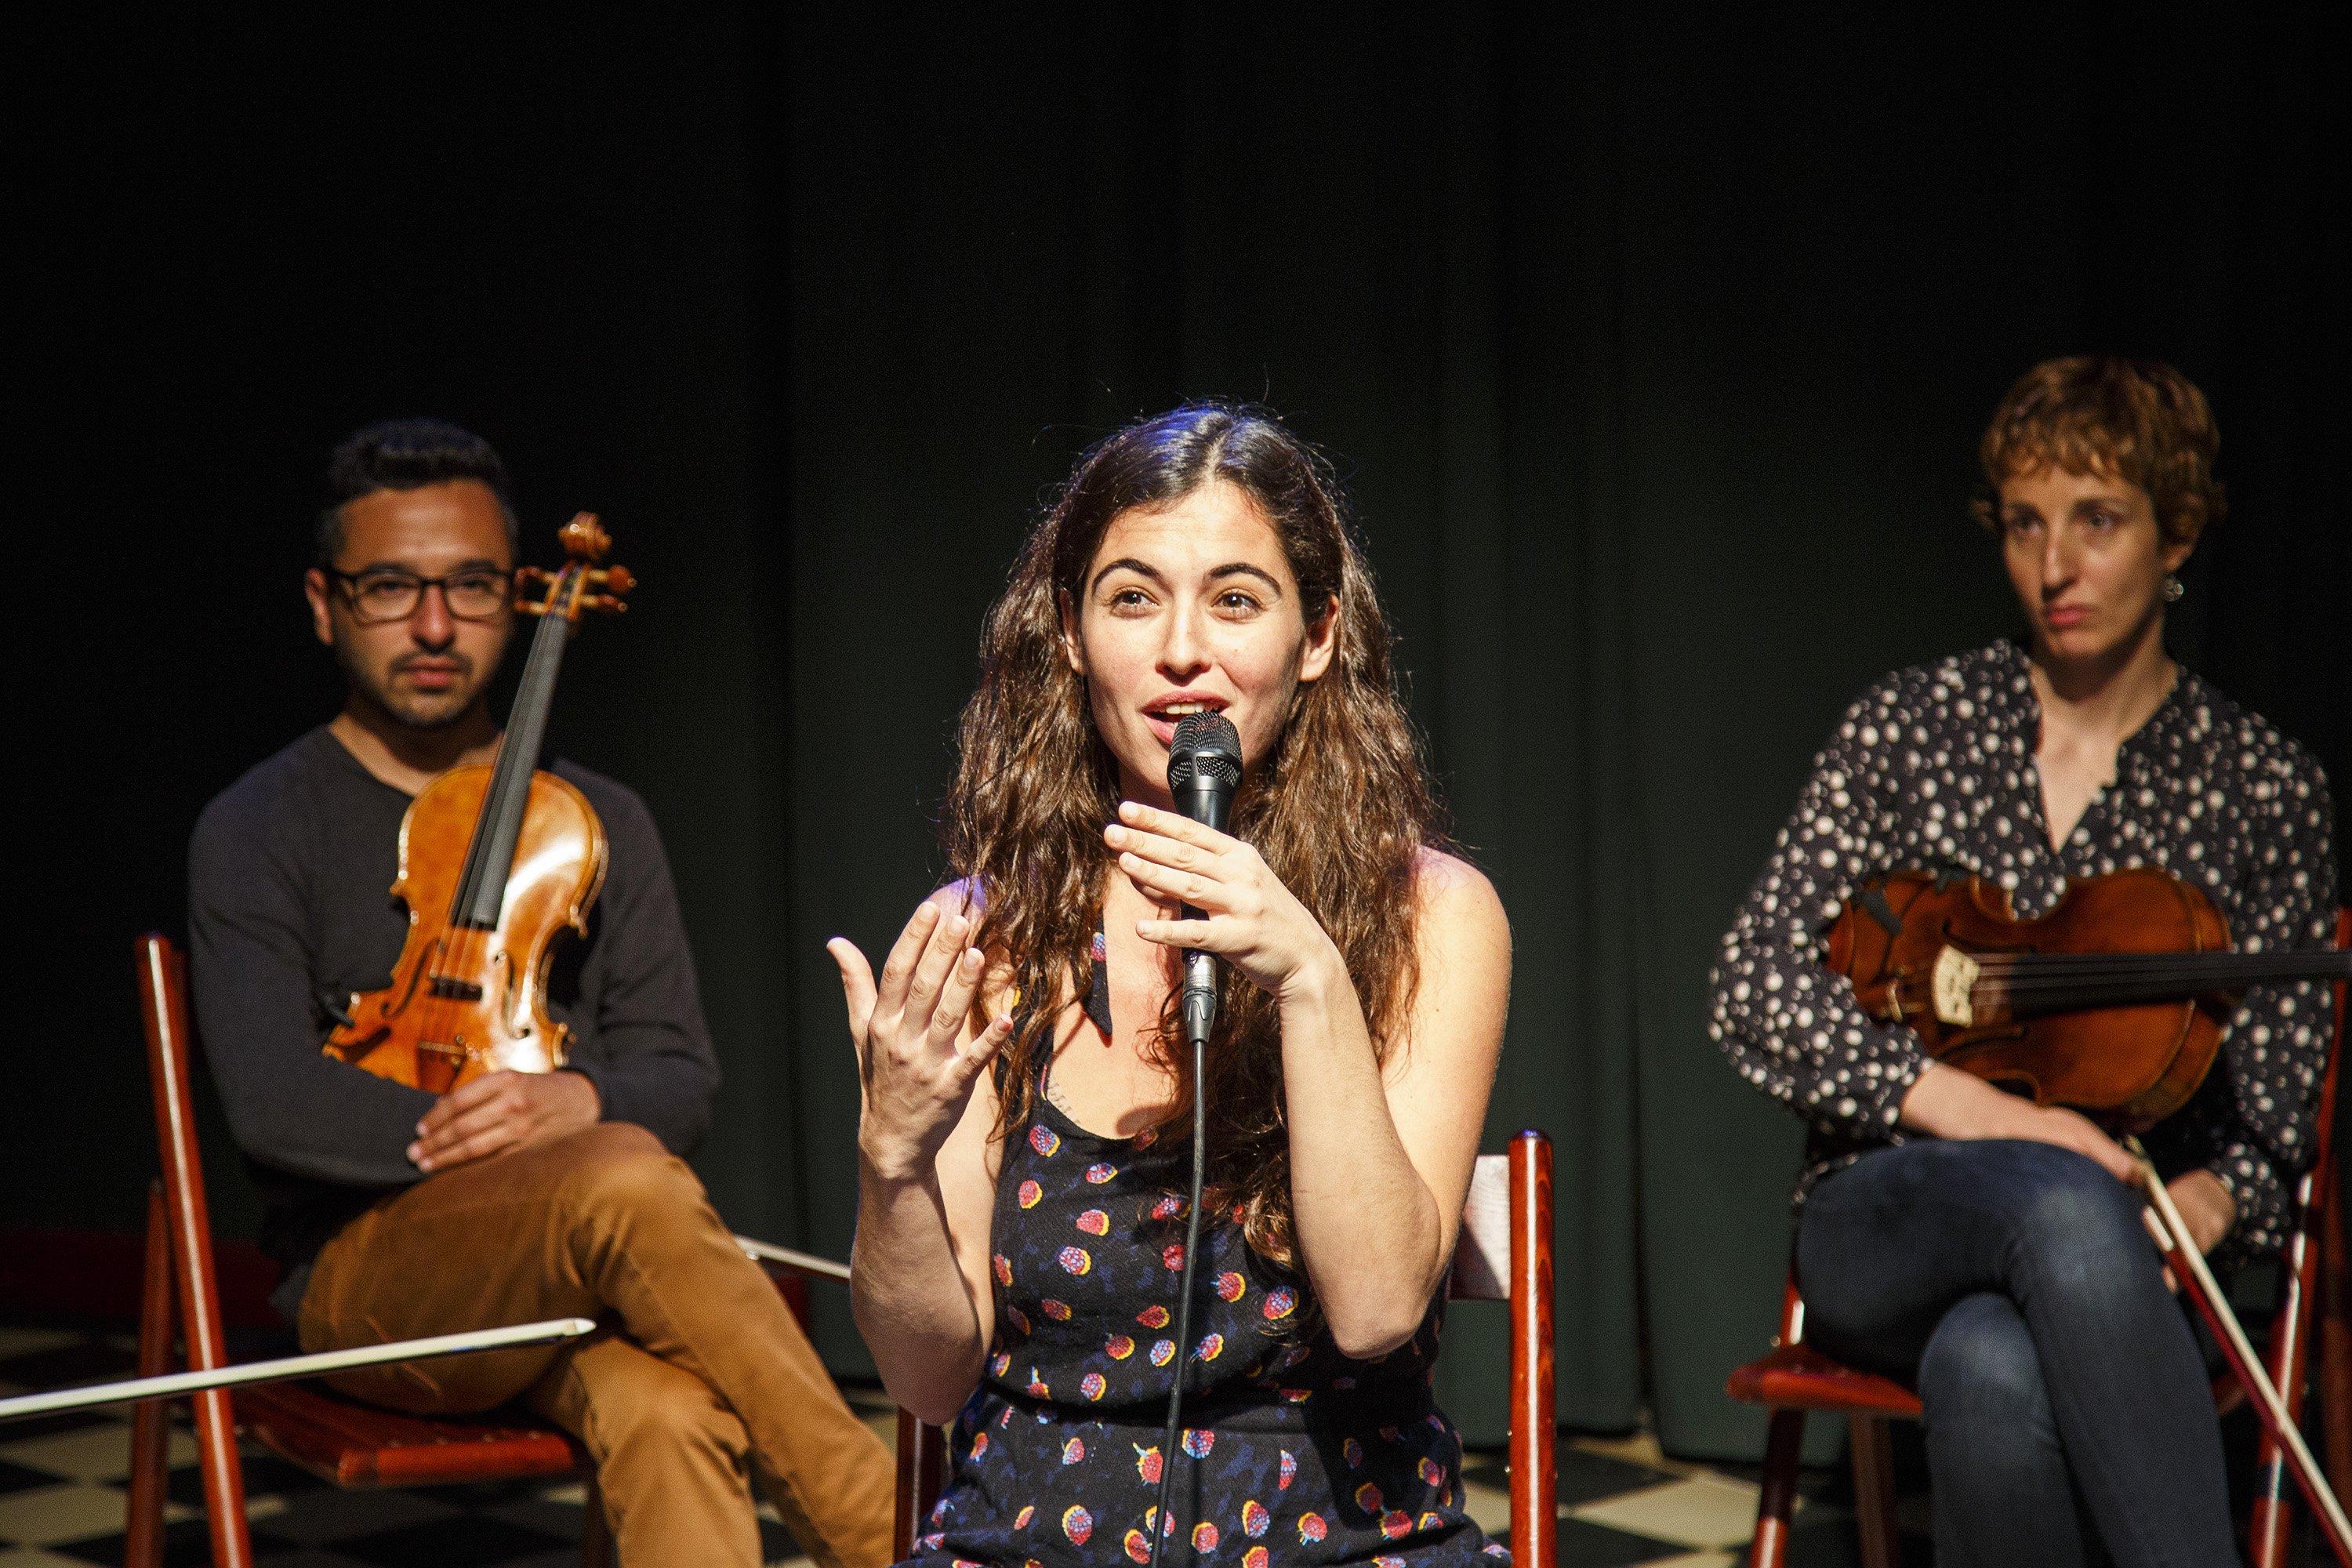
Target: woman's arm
(919, 1279)
(2256, 1140)
(1792, 1025)
(1379, 1161)
(1381, 1157)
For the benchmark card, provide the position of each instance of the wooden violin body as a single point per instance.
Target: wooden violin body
(464, 1001)
(495, 864)
(2111, 1002)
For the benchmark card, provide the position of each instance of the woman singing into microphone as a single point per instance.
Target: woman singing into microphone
(1025, 1139)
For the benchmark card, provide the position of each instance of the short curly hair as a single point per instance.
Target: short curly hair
(2137, 420)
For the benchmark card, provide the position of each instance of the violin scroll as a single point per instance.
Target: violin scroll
(565, 593)
(583, 538)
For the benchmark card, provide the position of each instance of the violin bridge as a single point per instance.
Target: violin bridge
(1952, 985)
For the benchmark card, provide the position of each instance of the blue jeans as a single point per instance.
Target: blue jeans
(2014, 1284)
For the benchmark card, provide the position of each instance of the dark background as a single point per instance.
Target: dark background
(1654, 345)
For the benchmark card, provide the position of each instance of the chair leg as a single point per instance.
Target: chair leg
(150, 1423)
(1873, 1490)
(595, 1533)
(1777, 1498)
(922, 1470)
(2270, 1522)
(223, 1473)
(2335, 1344)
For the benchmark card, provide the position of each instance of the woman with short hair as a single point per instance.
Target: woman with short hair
(1949, 1233)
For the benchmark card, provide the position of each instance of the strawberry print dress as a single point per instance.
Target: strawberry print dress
(1291, 1453)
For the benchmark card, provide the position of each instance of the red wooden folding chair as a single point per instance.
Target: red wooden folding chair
(1795, 1378)
(339, 1440)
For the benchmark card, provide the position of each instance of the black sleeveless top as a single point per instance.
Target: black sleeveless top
(1289, 1447)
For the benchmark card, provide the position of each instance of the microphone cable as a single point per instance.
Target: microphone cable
(1162, 1524)
(1204, 767)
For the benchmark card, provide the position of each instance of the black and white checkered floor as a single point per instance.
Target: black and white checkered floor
(61, 1498)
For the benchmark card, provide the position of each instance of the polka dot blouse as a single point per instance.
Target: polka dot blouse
(1933, 768)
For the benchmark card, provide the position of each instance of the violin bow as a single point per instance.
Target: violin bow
(2187, 1263)
(172, 1385)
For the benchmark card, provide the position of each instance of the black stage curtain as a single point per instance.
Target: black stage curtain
(1654, 349)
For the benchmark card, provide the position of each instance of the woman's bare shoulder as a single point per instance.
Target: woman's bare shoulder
(1462, 945)
(1446, 884)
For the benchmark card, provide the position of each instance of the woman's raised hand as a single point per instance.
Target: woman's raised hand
(1254, 923)
(914, 1076)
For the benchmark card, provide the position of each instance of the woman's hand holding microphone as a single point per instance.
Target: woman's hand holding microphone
(1249, 918)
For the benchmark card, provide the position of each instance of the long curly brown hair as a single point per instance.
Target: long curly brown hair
(1339, 810)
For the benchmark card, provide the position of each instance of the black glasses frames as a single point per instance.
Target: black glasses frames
(381, 595)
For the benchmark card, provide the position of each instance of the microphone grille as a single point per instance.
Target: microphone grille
(1205, 743)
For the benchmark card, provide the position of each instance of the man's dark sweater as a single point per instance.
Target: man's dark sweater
(289, 912)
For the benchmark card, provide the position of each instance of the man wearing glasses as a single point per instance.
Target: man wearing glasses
(516, 1196)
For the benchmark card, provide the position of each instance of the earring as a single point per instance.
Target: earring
(2172, 589)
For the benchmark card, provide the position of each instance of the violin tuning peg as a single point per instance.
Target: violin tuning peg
(617, 579)
(529, 577)
(606, 603)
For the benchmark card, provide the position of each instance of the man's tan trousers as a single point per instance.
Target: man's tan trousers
(709, 1383)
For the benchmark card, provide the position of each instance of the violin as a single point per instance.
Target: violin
(494, 863)
(2112, 1003)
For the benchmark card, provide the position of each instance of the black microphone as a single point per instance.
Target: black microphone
(1205, 764)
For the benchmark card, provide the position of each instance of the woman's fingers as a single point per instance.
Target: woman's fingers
(1169, 825)
(2120, 1169)
(1159, 847)
(955, 996)
(938, 956)
(2086, 1138)
(2111, 1155)
(1177, 887)
(971, 1059)
(899, 970)
(856, 979)
(1181, 934)
(856, 988)
(2118, 1161)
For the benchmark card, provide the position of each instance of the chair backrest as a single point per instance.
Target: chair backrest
(2311, 1215)
(1481, 1257)
(162, 980)
(2317, 1227)
(1504, 1254)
